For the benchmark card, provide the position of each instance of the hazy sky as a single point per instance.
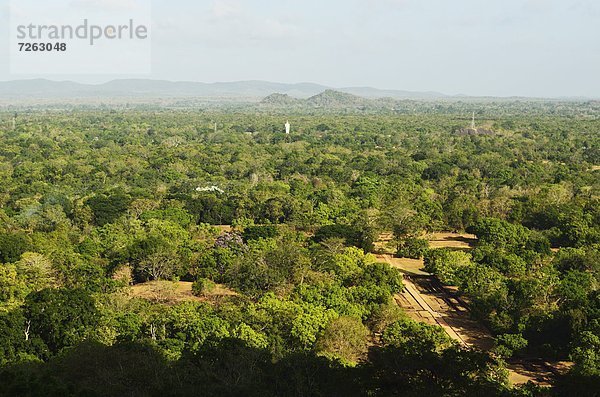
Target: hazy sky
(475, 47)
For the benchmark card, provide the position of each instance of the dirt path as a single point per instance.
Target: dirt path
(426, 300)
(405, 265)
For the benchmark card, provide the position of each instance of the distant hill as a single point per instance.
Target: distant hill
(368, 92)
(329, 99)
(336, 99)
(140, 88)
(278, 99)
(41, 88)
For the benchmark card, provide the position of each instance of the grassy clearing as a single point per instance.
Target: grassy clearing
(173, 292)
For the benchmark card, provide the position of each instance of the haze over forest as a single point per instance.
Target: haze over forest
(532, 48)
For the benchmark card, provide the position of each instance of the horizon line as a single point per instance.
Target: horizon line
(435, 92)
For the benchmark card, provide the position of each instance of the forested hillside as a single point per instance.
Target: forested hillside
(276, 234)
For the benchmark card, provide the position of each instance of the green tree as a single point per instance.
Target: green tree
(447, 264)
(343, 339)
(12, 246)
(108, 207)
(36, 271)
(411, 247)
(60, 317)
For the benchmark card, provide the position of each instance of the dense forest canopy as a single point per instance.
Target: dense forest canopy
(276, 232)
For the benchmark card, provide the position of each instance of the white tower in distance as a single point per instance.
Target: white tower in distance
(473, 122)
(288, 127)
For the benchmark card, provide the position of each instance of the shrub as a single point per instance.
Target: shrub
(445, 264)
(203, 287)
(348, 233)
(414, 248)
(257, 232)
(508, 344)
